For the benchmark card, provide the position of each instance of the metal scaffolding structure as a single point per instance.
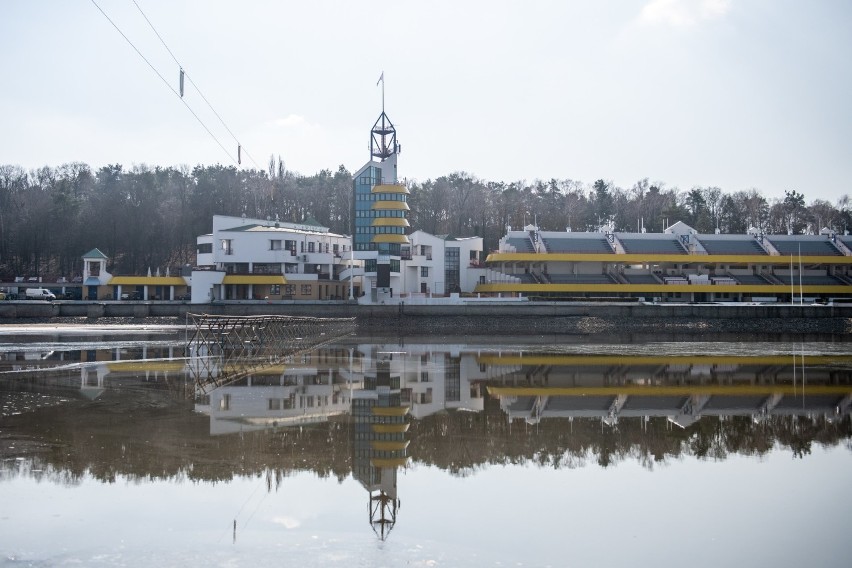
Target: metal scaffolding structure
(223, 349)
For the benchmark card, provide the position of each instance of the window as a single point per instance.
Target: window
(275, 244)
(306, 290)
(311, 246)
(205, 248)
(227, 246)
(274, 404)
(275, 289)
(424, 271)
(289, 289)
(334, 248)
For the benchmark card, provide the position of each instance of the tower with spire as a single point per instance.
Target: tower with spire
(380, 212)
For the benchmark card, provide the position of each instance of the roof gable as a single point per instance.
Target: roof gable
(94, 253)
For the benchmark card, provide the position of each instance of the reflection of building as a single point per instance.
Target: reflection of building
(309, 390)
(683, 389)
(379, 446)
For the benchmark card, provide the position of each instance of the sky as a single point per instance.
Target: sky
(737, 94)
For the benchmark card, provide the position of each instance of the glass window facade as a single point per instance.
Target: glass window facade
(451, 269)
(369, 206)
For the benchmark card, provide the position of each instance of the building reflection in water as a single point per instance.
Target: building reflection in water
(376, 391)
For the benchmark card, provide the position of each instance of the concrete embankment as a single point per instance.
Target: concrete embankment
(483, 318)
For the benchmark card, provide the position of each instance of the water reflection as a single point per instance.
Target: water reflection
(370, 411)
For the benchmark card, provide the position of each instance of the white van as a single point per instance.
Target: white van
(39, 294)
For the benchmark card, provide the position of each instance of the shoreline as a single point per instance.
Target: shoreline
(560, 320)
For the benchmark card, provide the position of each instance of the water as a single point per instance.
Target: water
(118, 447)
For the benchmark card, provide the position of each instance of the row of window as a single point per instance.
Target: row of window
(381, 197)
(275, 244)
(373, 213)
(380, 230)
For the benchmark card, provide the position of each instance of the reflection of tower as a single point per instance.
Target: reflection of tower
(380, 444)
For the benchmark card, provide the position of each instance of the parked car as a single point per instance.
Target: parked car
(130, 295)
(39, 294)
(187, 296)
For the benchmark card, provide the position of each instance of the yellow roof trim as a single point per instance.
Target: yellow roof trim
(662, 288)
(139, 366)
(383, 446)
(390, 428)
(655, 258)
(654, 360)
(146, 281)
(400, 239)
(254, 279)
(390, 222)
(391, 206)
(390, 188)
(390, 410)
(640, 390)
(389, 462)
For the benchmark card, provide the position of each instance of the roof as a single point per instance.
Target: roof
(312, 221)
(94, 253)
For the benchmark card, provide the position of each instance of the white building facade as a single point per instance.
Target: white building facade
(254, 259)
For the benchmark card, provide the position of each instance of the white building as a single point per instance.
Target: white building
(441, 264)
(250, 259)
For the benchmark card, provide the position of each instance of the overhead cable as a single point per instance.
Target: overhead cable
(163, 79)
(184, 74)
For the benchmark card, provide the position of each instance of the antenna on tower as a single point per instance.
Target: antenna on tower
(383, 143)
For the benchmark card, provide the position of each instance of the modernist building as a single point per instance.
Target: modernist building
(379, 213)
(678, 265)
(246, 259)
(441, 264)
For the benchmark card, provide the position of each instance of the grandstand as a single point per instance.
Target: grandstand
(581, 279)
(679, 265)
(806, 245)
(579, 245)
(641, 279)
(726, 245)
(521, 244)
(640, 244)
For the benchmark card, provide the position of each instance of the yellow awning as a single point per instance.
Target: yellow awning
(139, 366)
(254, 279)
(390, 410)
(388, 462)
(390, 188)
(390, 428)
(671, 390)
(147, 281)
(400, 239)
(391, 206)
(633, 259)
(655, 360)
(390, 222)
(383, 446)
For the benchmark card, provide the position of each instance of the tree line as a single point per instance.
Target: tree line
(145, 216)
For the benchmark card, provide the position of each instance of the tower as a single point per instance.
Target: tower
(379, 212)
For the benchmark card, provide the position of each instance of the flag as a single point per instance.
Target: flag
(381, 79)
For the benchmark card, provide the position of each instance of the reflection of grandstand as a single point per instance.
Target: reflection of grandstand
(683, 389)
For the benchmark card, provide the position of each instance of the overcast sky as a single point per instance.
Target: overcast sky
(737, 94)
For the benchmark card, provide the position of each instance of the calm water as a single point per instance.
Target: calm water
(120, 447)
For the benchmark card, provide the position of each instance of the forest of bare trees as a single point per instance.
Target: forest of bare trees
(150, 216)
